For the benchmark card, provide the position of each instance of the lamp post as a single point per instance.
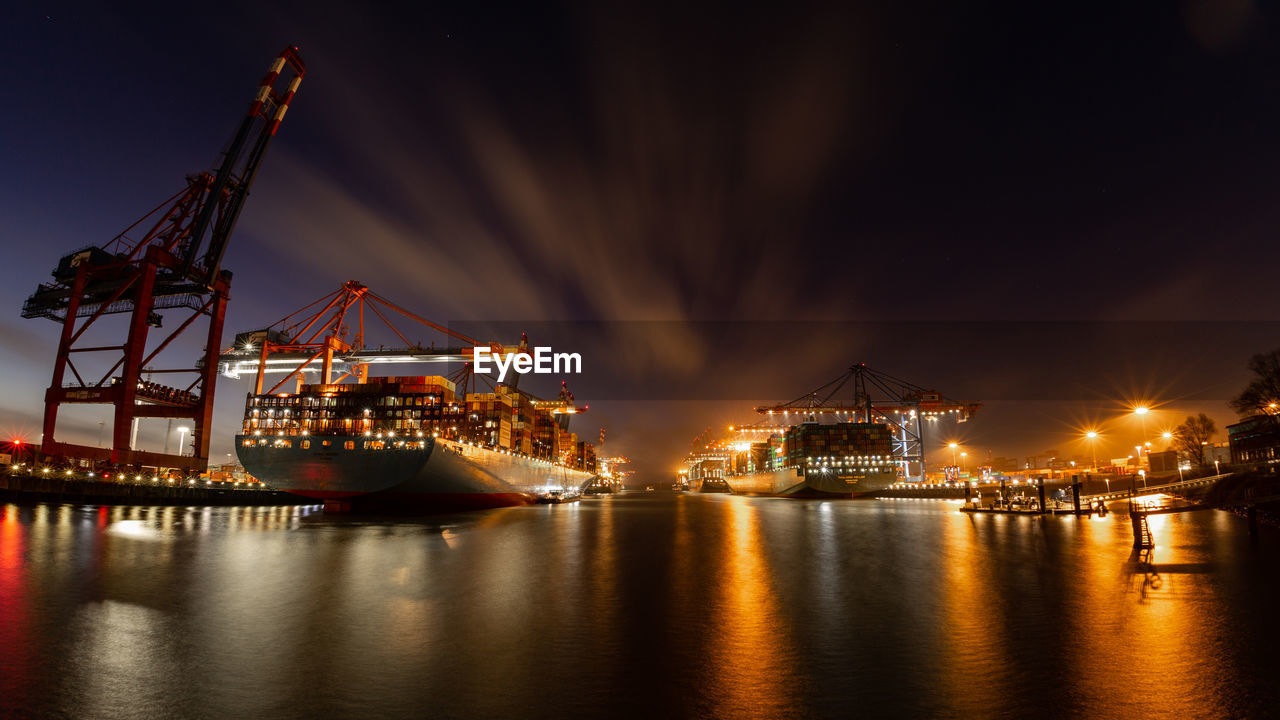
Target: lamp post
(182, 438)
(1141, 411)
(964, 463)
(1092, 436)
(953, 447)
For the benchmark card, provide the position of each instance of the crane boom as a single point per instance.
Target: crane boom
(235, 176)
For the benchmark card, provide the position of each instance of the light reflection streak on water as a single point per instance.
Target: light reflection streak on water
(14, 599)
(1165, 638)
(752, 656)
(680, 596)
(1101, 654)
(604, 556)
(973, 616)
(122, 645)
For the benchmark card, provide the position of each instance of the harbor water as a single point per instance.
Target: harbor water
(657, 605)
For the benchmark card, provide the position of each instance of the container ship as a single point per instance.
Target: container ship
(811, 459)
(412, 443)
(826, 447)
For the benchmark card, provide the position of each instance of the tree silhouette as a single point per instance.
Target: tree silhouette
(1262, 393)
(1192, 436)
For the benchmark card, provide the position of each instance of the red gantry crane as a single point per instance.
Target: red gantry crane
(175, 263)
(318, 339)
(328, 337)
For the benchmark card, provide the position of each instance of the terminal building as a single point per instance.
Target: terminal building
(1255, 439)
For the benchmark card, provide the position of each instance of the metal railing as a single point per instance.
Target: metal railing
(1154, 489)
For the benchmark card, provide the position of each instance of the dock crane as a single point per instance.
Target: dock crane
(318, 339)
(169, 259)
(881, 398)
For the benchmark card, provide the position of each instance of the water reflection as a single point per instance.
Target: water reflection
(16, 645)
(975, 619)
(655, 605)
(752, 656)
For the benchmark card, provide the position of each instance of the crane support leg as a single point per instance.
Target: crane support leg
(209, 369)
(54, 396)
(126, 401)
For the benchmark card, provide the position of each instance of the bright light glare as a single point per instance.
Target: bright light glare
(1141, 410)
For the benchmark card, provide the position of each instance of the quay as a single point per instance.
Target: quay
(31, 489)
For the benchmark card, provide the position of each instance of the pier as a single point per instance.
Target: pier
(1247, 505)
(1244, 502)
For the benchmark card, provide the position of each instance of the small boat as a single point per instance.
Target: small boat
(557, 497)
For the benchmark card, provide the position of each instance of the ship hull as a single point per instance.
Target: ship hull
(430, 474)
(792, 482)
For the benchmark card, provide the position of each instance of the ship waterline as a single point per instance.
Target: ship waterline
(812, 482)
(424, 473)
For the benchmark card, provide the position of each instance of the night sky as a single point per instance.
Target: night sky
(1058, 211)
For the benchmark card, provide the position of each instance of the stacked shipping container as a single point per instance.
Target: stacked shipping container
(421, 406)
(840, 440)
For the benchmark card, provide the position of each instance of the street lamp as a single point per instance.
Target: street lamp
(182, 437)
(965, 463)
(1141, 411)
(953, 447)
(1092, 436)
